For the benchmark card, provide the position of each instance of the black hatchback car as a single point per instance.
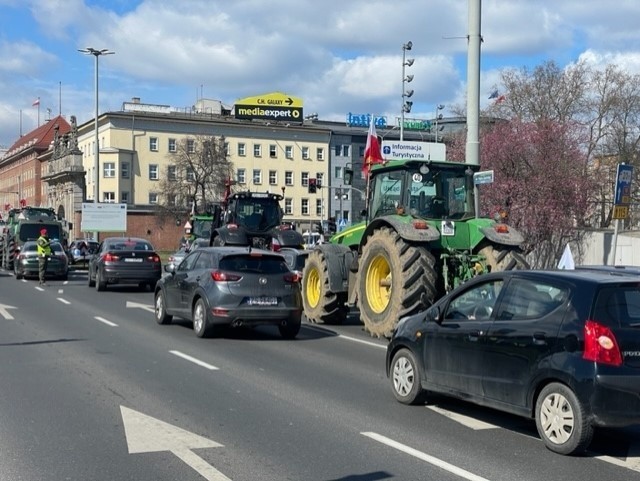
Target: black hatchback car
(232, 286)
(562, 347)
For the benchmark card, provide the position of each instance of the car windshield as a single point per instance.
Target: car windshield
(130, 245)
(259, 264)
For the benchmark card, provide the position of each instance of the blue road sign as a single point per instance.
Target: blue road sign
(623, 184)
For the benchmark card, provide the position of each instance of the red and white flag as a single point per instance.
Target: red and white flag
(372, 152)
(36, 102)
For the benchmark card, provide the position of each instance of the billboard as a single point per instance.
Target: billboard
(101, 217)
(273, 106)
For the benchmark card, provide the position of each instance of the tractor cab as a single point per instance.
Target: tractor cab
(255, 211)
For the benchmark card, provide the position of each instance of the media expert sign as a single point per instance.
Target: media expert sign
(393, 150)
(273, 106)
(103, 217)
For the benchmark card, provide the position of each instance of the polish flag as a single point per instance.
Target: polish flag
(372, 153)
(36, 102)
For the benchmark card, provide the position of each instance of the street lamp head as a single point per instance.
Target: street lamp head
(408, 93)
(95, 52)
(408, 78)
(440, 106)
(409, 62)
(407, 106)
(408, 45)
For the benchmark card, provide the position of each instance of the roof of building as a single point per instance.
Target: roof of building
(40, 138)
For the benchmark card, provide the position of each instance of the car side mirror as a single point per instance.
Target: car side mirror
(433, 315)
(170, 268)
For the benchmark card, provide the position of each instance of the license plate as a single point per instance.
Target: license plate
(263, 301)
(134, 259)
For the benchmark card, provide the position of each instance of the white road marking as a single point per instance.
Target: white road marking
(4, 311)
(194, 360)
(146, 307)
(24, 280)
(631, 462)
(60, 291)
(362, 341)
(467, 421)
(108, 323)
(463, 473)
(39, 288)
(65, 283)
(64, 301)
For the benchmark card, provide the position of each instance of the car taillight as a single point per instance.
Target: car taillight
(171, 259)
(221, 276)
(275, 245)
(292, 277)
(600, 344)
(108, 257)
(154, 258)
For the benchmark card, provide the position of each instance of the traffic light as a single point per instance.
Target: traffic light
(313, 185)
(331, 225)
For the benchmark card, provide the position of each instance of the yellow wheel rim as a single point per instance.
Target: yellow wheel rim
(313, 288)
(378, 286)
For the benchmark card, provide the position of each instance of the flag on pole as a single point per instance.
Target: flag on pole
(566, 261)
(494, 94)
(36, 102)
(372, 153)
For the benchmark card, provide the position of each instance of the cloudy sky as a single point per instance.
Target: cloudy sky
(337, 56)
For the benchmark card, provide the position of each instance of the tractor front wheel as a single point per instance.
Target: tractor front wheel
(320, 304)
(395, 279)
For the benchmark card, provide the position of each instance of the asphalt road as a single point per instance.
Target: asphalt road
(93, 389)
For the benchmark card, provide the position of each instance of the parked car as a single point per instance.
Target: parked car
(27, 262)
(562, 347)
(231, 286)
(81, 250)
(121, 260)
(177, 257)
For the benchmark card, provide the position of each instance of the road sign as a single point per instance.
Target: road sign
(484, 177)
(620, 211)
(187, 225)
(103, 217)
(623, 185)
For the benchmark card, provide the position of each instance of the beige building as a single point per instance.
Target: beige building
(137, 145)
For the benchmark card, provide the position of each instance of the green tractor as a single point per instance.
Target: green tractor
(420, 239)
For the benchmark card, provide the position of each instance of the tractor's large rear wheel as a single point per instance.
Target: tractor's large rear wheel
(395, 279)
(503, 258)
(320, 304)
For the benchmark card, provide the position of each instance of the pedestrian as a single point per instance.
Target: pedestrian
(44, 252)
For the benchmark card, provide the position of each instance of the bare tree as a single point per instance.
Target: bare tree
(196, 174)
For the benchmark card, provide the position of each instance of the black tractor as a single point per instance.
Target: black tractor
(253, 219)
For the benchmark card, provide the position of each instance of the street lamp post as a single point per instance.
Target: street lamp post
(406, 105)
(96, 175)
(438, 117)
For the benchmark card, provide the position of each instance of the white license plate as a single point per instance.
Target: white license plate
(133, 259)
(263, 301)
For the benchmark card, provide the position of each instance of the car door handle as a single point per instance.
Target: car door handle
(474, 335)
(539, 338)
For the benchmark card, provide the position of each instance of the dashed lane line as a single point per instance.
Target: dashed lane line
(463, 473)
(104, 321)
(194, 360)
(64, 301)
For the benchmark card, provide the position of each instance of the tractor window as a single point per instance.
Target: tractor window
(387, 192)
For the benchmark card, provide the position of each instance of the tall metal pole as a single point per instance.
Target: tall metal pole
(404, 56)
(473, 84)
(96, 175)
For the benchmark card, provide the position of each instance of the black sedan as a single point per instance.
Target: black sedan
(231, 286)
(121, 260)
(27, 262)
(561, 347)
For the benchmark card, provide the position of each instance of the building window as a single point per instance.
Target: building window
(191, 146)
(172, 173)
(305, 153)
(172, 200)
(361, 151)
(124, 197)
(257, 150)
(338, 149)
(153, 172)
(191, 175)
(109, 170)
(337, 173)
(241, 176)
(288, 151)
(305, 179)
(109, 197)
(172, 145)
(153, 144)
(345, 150)
(288, 178)
(226, 148)
(305, 206)
(273, 151)
(257, 176)
(320, 153)
(320, 179)
(319, 207)
(242, 149)
(288, 206)
(153, 198)
(273, 177)
(124, 170)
